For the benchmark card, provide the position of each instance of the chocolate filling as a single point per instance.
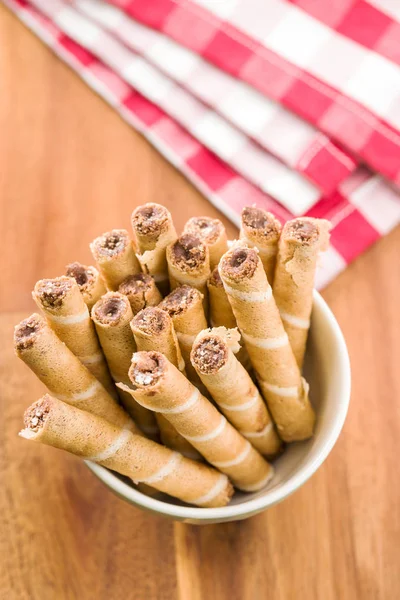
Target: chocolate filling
(179, 300)
(215, 279)
(25, 332)
(206, 228)
(241, 263)
(151, 320)
(110, 308)
(189, 252)
(52, 292)
(136, 284)
(262, 222)
(82, 275)
(210, 355)
(301, 230)
(111, 243)
(36, 415)
(150, 219)
(146, 368)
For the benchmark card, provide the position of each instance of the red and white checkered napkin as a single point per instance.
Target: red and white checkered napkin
(237, 143)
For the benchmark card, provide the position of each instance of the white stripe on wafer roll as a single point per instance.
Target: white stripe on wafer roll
(295, 321)
(262, 296)
(267, 345)
(52, 422)
(157, 383)
(69, 319)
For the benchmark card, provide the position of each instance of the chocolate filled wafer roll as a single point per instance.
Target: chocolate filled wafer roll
(114, 253)
(154, 231)
(153, 330)
(267, 343)
(221, 313)
(112, 315)
(212, 232)
(301, 242)
(189, 264)
(261, 229)
(232, 388)
(160, 386)
(62, 372)
(63, 306)
(141, 291)
(54, 423)
(184, 306)
(89, 280)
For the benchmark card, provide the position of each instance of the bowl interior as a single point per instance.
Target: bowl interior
(327, 370)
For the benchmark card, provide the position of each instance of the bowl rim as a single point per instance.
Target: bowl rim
(260, 503)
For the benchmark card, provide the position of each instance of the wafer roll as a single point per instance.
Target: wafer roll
(262, 230)
(160, 386)
(62, 372)
(115, 255)
(54, 423)
(112, 315)
(301, 242)
(221, 313)
(141, 291)
(267, 343)
(63, 306)
(91, 284)
(212, 232)
(154, 231)
(189, 264)
(184, 306)
(153, 330)
(232, 388)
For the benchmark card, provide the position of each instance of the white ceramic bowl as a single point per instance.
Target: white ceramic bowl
(327, 369)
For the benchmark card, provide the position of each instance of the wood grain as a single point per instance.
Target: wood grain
(71, 169)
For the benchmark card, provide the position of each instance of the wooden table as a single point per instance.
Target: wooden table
(70, 169)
